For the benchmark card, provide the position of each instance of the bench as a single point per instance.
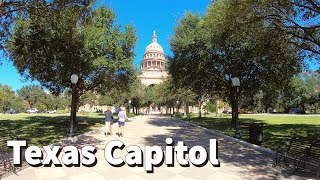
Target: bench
(6, 156)
(300, 153)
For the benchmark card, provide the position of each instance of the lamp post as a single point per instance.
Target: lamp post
(177, 106)
(129, 104)
(74, 80)
(236, 84)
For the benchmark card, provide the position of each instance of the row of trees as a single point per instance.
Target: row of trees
(31, 97)
(301, 91)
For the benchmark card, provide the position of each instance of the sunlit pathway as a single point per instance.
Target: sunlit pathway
(237, 161)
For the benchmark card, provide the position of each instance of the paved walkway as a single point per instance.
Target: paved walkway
(237, 161)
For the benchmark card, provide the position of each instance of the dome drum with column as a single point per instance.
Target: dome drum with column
(153, 65)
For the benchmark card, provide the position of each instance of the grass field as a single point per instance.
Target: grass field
(277, 128)
(43, 129)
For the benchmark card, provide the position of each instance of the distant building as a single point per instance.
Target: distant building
(153, 65)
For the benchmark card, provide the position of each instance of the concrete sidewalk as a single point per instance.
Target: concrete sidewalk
(237, 161)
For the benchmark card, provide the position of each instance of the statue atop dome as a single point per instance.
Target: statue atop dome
(154, 37)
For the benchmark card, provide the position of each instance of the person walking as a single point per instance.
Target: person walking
(121, 122)
(109, 122)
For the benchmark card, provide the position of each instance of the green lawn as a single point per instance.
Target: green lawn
(277, 129)
(43, 129)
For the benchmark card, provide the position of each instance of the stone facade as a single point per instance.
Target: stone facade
(153, 65)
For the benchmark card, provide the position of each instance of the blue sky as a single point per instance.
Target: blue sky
(146, 16)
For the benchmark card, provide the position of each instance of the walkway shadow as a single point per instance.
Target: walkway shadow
(79, 142)
(229, 152)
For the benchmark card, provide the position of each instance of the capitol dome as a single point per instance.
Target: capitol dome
(154, 46)
(153, 65)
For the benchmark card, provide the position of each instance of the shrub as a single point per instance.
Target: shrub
(179, 114)
(130, 115)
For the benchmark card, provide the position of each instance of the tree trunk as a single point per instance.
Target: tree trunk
(303, 106)
(186, 109)
(200, 106)
(233, 109)
(76, 98)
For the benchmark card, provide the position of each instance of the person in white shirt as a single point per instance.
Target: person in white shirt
(121, 122)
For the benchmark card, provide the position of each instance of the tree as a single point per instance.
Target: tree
(60, 101)
(7, 97)
(298, 18)
(90, 98)
(10, 10)
(302, 91)
(263, 101)
(105, 100)
(231, 41)
(167, 94)
(19, 105)
(33, 94)
(211, 107)
(189, 50)
(113, 96)
(137, 95)
(52, 47)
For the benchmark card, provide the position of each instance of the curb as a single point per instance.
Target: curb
(244, 143)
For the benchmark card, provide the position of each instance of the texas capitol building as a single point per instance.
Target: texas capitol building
(153, 65)
(153, 69)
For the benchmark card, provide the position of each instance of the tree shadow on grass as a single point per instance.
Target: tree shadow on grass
(236, 158)
(274, 135)
(42, 130)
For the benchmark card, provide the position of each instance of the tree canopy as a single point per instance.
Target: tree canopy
(7, 97)
(32, 94)
(52, 47)
(231, 41)
(299, 19)
(10, 10)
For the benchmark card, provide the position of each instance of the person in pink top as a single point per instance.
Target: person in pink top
(121, 122)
